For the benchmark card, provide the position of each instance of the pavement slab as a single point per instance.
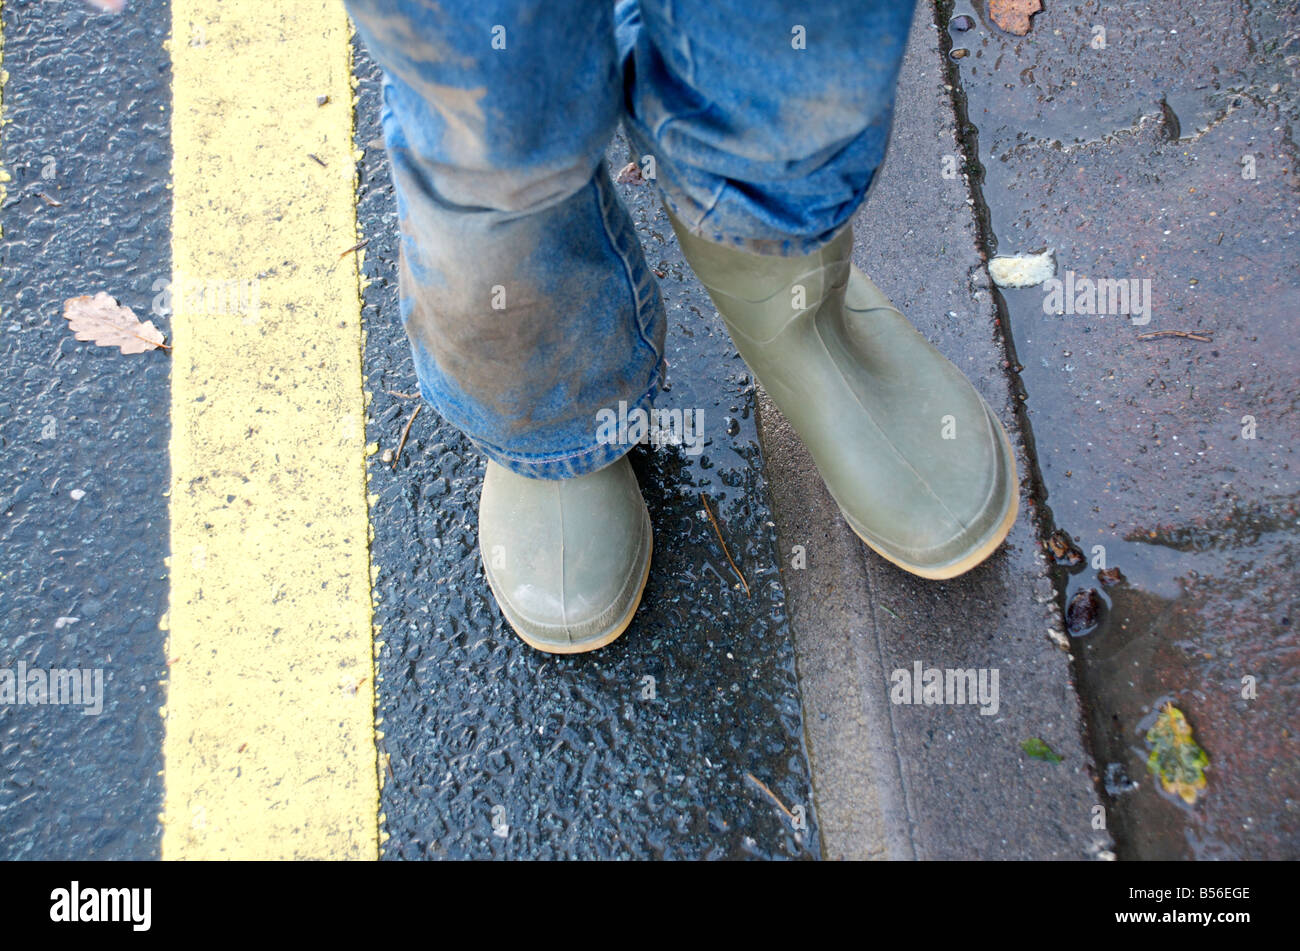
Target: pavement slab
(1154, 144)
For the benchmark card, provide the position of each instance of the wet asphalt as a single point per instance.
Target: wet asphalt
(83, 430)
(683, 739)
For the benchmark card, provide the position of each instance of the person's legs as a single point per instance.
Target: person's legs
(524, 293)
(767, 123)
(766, 127)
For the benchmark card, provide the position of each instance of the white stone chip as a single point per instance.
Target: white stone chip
(1022, 270)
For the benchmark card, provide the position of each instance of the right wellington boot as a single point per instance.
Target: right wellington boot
(916, 461)
(567, 559)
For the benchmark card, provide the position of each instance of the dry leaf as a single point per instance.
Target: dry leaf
(104, 321)
(1013, 15)
(630, 174)
(108, 6)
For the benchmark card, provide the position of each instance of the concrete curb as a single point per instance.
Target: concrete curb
(854, 761)
(930, 782)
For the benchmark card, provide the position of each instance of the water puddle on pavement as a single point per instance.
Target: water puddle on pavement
(1130, 142)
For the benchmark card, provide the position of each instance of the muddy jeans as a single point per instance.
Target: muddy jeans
(524, 292)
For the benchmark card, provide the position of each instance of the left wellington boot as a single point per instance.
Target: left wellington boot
(916, 461)
(566, 559)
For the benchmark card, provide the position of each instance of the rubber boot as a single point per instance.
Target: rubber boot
(918, 464)
(567, 559)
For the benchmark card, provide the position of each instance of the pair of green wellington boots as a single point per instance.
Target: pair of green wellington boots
(919, 466)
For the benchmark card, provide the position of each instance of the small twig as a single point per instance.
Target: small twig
(50, 201)
(406, 432)
(356, 247)
(724, 544)
(1183, 334)
(317, 159)
(770, 795)
(405, 396)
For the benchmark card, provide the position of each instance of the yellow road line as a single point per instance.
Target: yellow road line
(270, 740)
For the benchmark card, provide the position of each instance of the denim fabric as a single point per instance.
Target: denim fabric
(767, 119)
(524, 292)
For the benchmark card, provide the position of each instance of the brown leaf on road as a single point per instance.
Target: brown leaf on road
(108, 6)
(630, 174)
(1013, 15)
(102, 320)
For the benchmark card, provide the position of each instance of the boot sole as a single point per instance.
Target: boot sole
(591, 644)
(980, 554)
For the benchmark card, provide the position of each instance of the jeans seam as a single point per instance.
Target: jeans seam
(640, 301)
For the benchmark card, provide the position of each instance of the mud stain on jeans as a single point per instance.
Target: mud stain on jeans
(491, 355)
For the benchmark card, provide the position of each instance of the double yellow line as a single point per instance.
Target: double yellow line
(270, 730)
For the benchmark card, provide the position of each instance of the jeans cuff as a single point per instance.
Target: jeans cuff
(567, 465)
(688, 212)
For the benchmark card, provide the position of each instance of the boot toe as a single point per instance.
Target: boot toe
(937, 532)
(567, 560)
